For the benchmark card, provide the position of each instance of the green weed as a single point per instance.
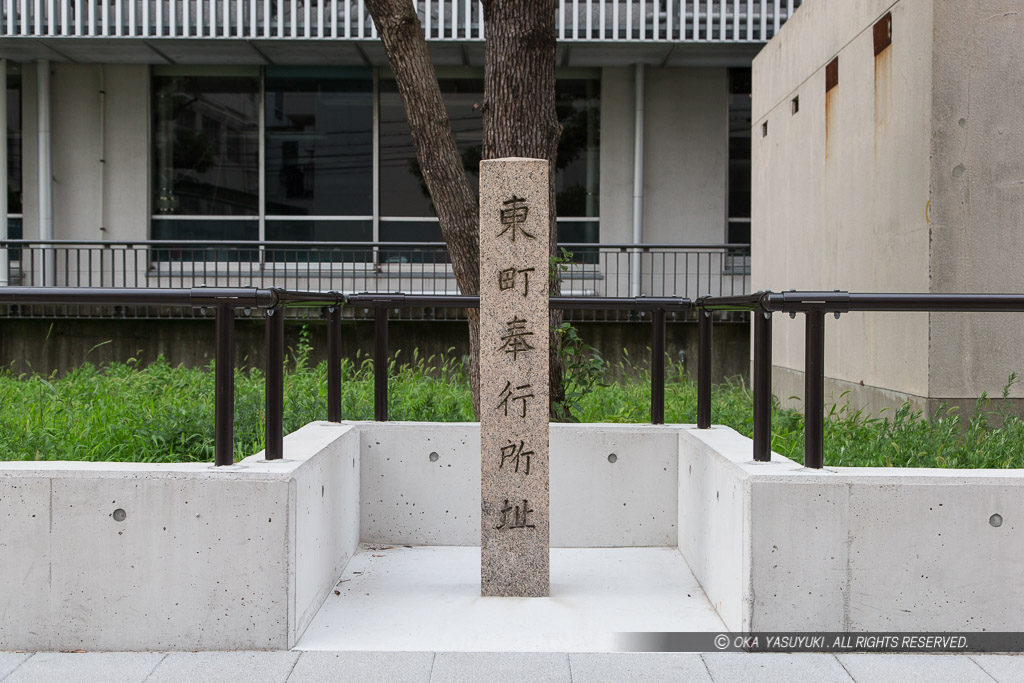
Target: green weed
(159, 413)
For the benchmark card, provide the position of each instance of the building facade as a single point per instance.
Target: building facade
(887, 158)
(279, 121)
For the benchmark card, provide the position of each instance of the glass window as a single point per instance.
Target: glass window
(190, 230)
(578, 103)
(404, 194)
(319, 142)
(412, 231)
(739, 156)
(318, 158)
(13, 154)
(295, 230)
(403, 191)
(206, 146)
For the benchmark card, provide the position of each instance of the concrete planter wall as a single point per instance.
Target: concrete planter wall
(235, 558)
(780, 548)
(241, 558)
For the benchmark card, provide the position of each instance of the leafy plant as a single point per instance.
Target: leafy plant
(159, 413)
(583, 371)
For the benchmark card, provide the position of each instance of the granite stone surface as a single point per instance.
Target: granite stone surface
(514, 377)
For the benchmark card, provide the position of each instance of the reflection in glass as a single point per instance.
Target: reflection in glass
(402, 190)
(578, 104)
(739, 156)
(412, 231)
(14, 233)
(195, 230)
(206, 145)
(14, 147)
(319, 141)
(576, 232)
(319, 231)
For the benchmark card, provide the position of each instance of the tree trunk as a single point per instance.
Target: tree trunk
(519, 120)
(519, 111)
(438, 157)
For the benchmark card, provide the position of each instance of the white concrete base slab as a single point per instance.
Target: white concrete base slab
(428, 598)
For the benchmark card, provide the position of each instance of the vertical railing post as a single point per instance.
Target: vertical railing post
(224, 399)
(380, 362)
(334, 363)
(658, 366)
(704, 370)
(814, 389)
(762, 386)
(275, 384)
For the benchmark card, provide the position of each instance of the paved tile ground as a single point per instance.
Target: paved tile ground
(914, 668)
(86, 667)
(498, 667)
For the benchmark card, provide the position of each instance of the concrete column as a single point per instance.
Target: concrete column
(635, 283)
(48, 256)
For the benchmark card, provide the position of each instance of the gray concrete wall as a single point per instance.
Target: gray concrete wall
(88, 194)
(906, 177)
(77, 167)
(977, 198)
(617, 118)
(686, 154)
(841, 187)
(127, 153)
(847, 548)
(177, 556)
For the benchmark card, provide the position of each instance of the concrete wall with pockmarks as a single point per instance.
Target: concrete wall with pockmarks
(778, 547)
(905, 176)
(135, 556)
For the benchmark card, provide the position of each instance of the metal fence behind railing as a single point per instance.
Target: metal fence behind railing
(591, 20)
(603, 270)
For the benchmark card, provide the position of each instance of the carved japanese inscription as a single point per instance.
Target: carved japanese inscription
(514, 377)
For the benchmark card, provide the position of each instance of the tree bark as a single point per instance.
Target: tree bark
(519, 111)
(519, 120)
(457, 210)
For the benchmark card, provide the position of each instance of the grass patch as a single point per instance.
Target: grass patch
(159, 413)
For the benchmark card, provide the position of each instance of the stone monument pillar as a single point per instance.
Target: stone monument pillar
(514, 271)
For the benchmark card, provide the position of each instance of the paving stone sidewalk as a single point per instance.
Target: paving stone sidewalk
(501, 667)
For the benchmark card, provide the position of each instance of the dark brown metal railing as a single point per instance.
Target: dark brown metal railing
(814, 306)
(225, 300)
